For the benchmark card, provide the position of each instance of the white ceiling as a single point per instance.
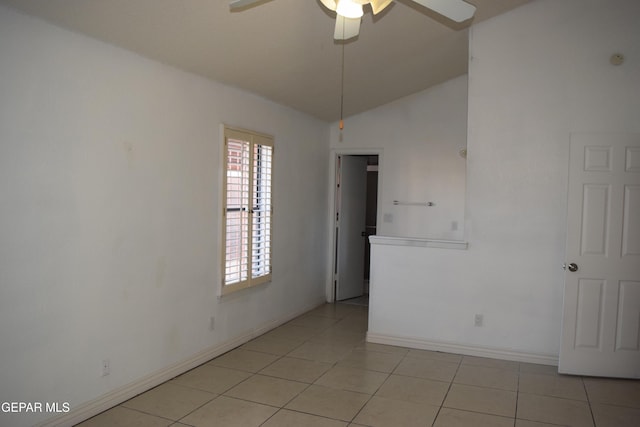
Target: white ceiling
(283, 50)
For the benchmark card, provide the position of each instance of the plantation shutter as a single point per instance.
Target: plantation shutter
(247, 210)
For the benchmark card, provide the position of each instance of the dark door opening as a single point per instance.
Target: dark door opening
(356, 214)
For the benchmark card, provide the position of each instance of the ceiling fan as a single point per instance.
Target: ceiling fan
(349, 12)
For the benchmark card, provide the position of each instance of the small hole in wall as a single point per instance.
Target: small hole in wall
(616, 59)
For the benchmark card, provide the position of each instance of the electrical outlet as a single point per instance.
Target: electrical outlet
(478, 320)
(106, 367)
(212, 323)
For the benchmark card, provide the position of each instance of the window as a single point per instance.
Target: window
(247, 210)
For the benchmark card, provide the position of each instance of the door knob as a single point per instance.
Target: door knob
(573, 267)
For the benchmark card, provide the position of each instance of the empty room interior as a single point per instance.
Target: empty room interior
(287, 212)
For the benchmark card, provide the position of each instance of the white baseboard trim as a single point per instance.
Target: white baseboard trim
(121, 394)
(468, 350)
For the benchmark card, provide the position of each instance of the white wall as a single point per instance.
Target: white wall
(537, 74)
(420, 137)
(109, 216)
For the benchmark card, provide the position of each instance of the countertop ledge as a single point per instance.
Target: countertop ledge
(418, 242)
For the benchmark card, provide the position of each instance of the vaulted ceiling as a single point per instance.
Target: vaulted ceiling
(283, 50)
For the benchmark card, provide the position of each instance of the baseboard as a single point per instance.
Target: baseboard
(468, 350)
(124, 393)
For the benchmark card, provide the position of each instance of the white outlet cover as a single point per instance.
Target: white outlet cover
(478, 320)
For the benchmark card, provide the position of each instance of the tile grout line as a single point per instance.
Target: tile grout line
(215, 396)
(253, 374)
(334, 365)
(447, 392)
(586, 392)
(308, 385)
(195, 409)
(374, 393)
(141, 412)
(286, 403)
(515, 414)
(350, 320)
(218, 394)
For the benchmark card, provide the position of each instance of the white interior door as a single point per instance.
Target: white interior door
(601, 319)
(351, 225)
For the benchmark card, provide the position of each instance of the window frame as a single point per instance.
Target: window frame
(250, 205)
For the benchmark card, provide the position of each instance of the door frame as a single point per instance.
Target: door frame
(332, 223)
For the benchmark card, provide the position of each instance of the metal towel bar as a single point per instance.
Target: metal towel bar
(425, 204)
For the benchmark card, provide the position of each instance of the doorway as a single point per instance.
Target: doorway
(355, 219)
(600, 328)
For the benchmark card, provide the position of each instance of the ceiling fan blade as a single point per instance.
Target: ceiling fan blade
(237, 4)
(456, 10)
(346, 28)
(378, 6)
(330, 4)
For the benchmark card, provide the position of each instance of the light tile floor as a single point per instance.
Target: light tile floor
(317, 370)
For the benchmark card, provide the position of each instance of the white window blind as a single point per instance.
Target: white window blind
(248, 164)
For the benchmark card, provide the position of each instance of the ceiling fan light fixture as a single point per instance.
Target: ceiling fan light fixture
(349, 9)
(329, 4)
(378, 6)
